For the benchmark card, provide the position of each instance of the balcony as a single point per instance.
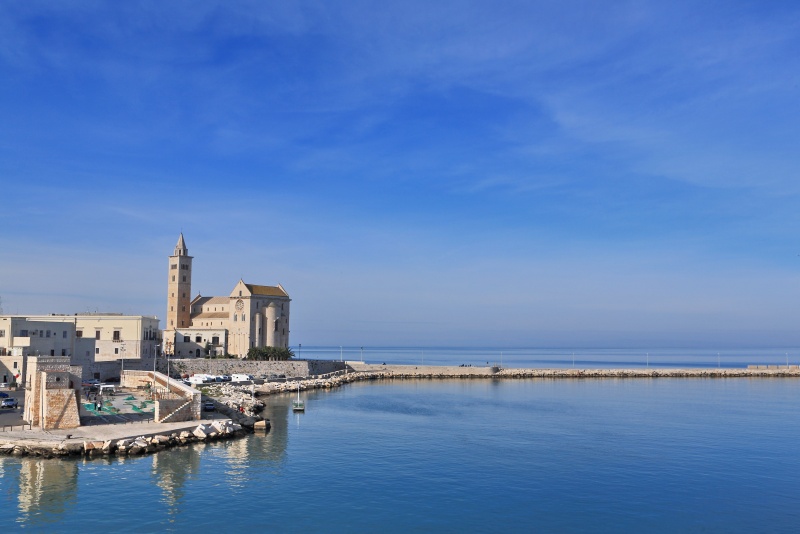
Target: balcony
(19, 341)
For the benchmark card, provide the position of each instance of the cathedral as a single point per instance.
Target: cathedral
(251, 316)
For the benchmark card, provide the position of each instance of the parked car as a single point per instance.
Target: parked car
(9, 403)
(208, 406)
(4, 385)
(3, 395)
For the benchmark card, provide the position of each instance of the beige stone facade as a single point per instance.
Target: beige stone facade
(97, 342)
(51, 399)
(250, 316)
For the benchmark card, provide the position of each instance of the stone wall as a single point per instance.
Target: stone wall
(177, 410)
(291, 368)
(60, 409)
(175, 401)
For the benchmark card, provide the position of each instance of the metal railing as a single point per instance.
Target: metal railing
(10, 428)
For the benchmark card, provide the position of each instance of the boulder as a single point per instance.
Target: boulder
(201, 432)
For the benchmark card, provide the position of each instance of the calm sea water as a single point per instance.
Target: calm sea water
(557, 358)
(600, 455)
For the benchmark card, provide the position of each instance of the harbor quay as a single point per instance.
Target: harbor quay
(147, 437)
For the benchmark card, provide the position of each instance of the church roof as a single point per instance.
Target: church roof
(210, 315)
(267, 291)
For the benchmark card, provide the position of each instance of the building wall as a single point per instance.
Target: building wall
(51, 399)
(60, 409)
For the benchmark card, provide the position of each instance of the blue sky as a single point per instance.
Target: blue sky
(453, 173)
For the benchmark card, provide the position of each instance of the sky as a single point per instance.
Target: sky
(535, 174)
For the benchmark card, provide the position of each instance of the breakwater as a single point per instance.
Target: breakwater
(432, 372)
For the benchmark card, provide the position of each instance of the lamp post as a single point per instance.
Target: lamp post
(122, 372)
(167, 353)
(155, 359)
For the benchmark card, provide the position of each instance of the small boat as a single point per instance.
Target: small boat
(298, 405)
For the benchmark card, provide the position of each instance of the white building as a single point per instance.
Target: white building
(98, 342)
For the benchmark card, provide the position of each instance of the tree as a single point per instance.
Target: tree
(269, 353)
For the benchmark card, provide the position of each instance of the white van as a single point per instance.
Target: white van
(199, 379)
(241, 378)
(106, 389)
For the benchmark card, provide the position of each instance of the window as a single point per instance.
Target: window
(173, 277)
(240, 293)
(171, 308)
(63, 352)
(184, 267)
(97, 351)
(184, 277)
(173, 266)
(183, 308)
(234, 318)
(215, 340)
(243, 317)
(198, 339)
(48, 333)
(116, 335)
(53, 353)
(15, 365)
(23, 333)
(2, 333)
(79, 333)
(116, 350)
(97, 334)
(65, 334)
(186, 339)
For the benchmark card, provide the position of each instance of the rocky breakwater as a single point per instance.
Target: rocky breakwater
(238, 403)
(648, 373)
(126, 446)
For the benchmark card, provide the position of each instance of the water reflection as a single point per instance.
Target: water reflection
(45, 488)
(46, 491)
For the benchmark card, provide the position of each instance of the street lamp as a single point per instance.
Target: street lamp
(155, 359)
(122, 372)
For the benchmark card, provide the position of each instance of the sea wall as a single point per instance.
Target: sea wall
(290, 368)
(145, 444)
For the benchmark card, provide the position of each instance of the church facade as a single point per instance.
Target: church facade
(251, 316)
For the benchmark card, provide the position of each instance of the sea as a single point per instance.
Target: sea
(475, 455)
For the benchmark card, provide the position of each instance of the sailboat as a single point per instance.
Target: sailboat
(298, 405)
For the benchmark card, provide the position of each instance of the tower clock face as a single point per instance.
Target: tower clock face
(240, 305)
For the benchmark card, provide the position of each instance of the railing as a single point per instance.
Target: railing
(10, 428)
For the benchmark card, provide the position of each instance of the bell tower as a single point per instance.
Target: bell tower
(179, 288)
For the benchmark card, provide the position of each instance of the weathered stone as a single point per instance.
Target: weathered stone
(200, 432)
